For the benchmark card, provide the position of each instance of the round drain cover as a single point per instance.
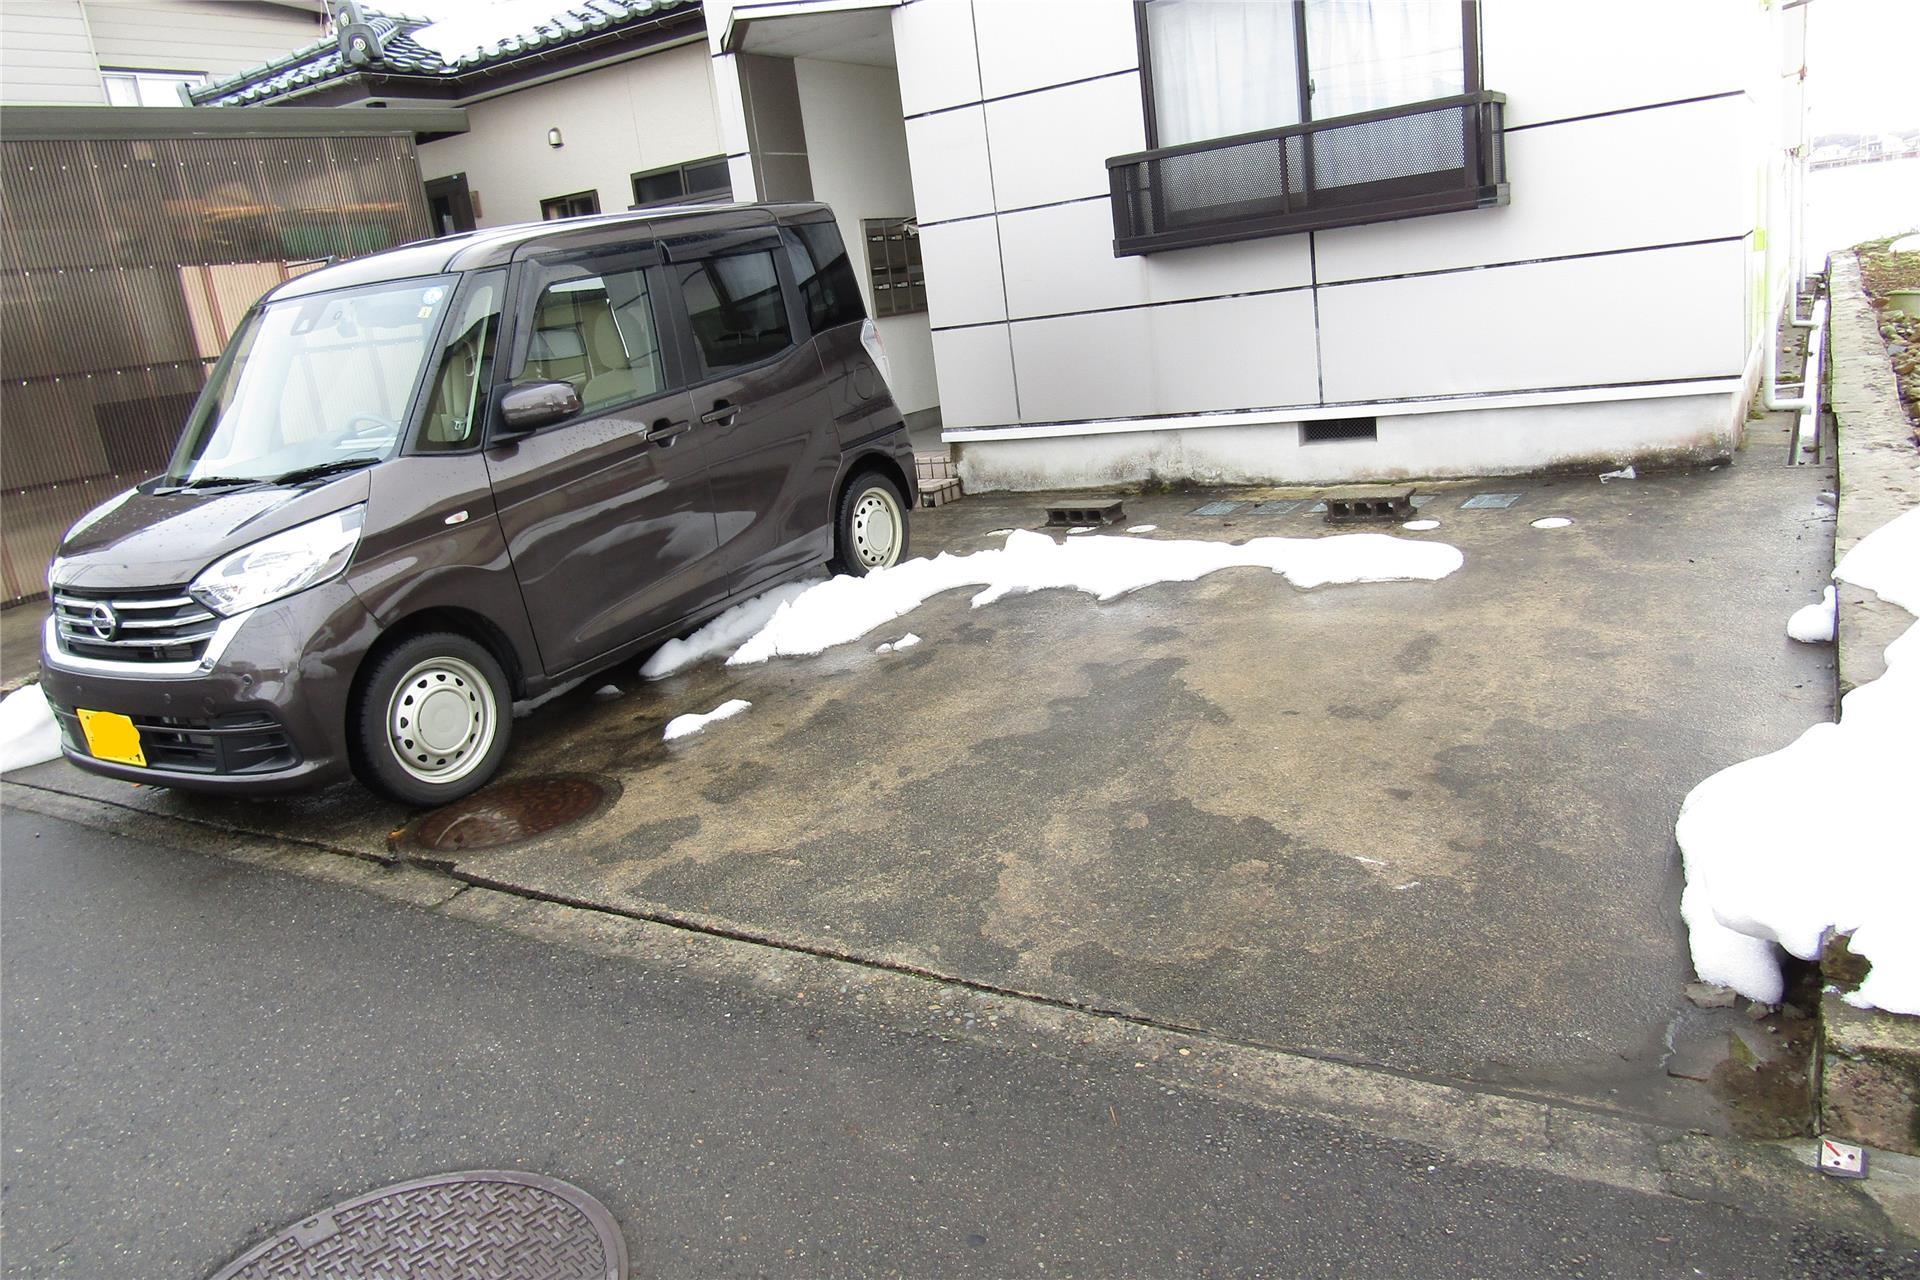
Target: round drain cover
(486, 1225)
(509, 812)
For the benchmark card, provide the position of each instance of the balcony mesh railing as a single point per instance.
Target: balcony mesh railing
(1429, 157)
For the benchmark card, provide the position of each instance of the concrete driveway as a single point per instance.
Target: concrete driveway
(1421, 825)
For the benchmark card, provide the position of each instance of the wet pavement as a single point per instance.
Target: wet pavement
(1421, 825)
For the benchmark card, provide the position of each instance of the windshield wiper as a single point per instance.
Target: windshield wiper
(212, 482)
(320, 470)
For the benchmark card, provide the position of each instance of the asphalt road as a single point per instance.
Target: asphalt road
(196, 1052)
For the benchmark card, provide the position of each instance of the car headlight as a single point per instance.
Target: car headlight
(291, 560)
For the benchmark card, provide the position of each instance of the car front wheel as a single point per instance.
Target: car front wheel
(432, 720)
(872, 529)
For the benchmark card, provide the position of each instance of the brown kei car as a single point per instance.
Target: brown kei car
(429, 482)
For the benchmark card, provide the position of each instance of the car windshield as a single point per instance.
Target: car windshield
(312, 386)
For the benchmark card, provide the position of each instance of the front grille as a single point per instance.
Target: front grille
(244, 743)
(134, 626)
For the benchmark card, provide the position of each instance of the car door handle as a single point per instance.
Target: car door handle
(663, 431)
(721, 413)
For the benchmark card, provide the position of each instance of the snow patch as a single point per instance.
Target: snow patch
(1813, 623)
(681, 726)
(28, 732)
(1552, 522)
(724, 632)
(998, 533)
(1820, 837)
(1142, 528)
(846, 608)
(1082, 528)
(479, 26)
(1421, 526)
(906, 641)
(1906, 244)
(1624, 473)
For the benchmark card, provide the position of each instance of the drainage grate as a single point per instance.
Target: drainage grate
(1347, 506)
(509, 812)
(1490, 501)
(1091, 511)
(1221, 508)
(1280, 507)
(485, 1225)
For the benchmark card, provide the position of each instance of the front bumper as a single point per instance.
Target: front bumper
(266, 713)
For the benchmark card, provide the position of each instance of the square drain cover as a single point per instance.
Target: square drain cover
(1280, 507)
(1422, 499)
(1217, 509)
(1489, 501)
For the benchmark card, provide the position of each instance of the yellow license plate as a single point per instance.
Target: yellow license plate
(112, 736)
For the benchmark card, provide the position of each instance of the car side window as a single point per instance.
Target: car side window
(459, 391)
(738, 314)
(597, 332)
(824, 276)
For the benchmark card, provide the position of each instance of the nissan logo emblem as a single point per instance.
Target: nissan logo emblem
(104, 623)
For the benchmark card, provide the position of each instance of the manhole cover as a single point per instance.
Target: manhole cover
(1490, 502)
(509, 812)
(487, 1225)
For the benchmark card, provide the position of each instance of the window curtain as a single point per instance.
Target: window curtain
(1367, 54)
(1222, 67)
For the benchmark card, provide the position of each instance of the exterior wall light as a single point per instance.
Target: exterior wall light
(554, 139)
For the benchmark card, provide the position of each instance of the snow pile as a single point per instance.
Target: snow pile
(847, 608)
(28, 732)
(906, 641)
(1813, 623)
(681, 726)
(724, 632)
(1821, 836)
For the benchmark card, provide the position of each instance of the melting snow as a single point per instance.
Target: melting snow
(1552, 522)
(1142, 528)
(28, 731)
(724, 632)
(906, 641)
(476, 26)
(1421, 526)
(1624, 473)
(1813, 623)
(846, 608)
(1821, 836)
(681, 726)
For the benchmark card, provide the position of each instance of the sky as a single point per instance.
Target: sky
(1861, 57)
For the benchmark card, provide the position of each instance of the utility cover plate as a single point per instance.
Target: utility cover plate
(1842, 1159)
(1222, 508)
(484, 1225)
(1489, 501)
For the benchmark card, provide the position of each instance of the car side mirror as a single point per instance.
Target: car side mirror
(532, 405)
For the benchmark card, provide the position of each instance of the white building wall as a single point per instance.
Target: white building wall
(655, 110)
(857, 157)
(1623, 261)
(51, 51)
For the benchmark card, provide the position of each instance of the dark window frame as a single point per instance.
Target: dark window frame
(708, 195)
(1147, 220)
(550, 207)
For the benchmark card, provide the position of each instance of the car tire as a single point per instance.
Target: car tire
(431, 721)
(870, 529)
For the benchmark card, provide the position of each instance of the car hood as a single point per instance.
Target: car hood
(145, 540)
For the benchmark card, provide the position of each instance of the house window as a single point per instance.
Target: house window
(149, 88)
(698, 180)
(577, 205)
(1269, 118)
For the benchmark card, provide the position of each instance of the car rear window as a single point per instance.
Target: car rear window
(824, 275)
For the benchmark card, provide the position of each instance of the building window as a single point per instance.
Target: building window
(699, 181)
(149, 88)
(1267, 118)
(577, 205)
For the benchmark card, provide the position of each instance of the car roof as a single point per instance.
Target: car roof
(496, 246)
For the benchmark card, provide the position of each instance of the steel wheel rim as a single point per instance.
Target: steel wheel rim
(877, 528)
(441, 719)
